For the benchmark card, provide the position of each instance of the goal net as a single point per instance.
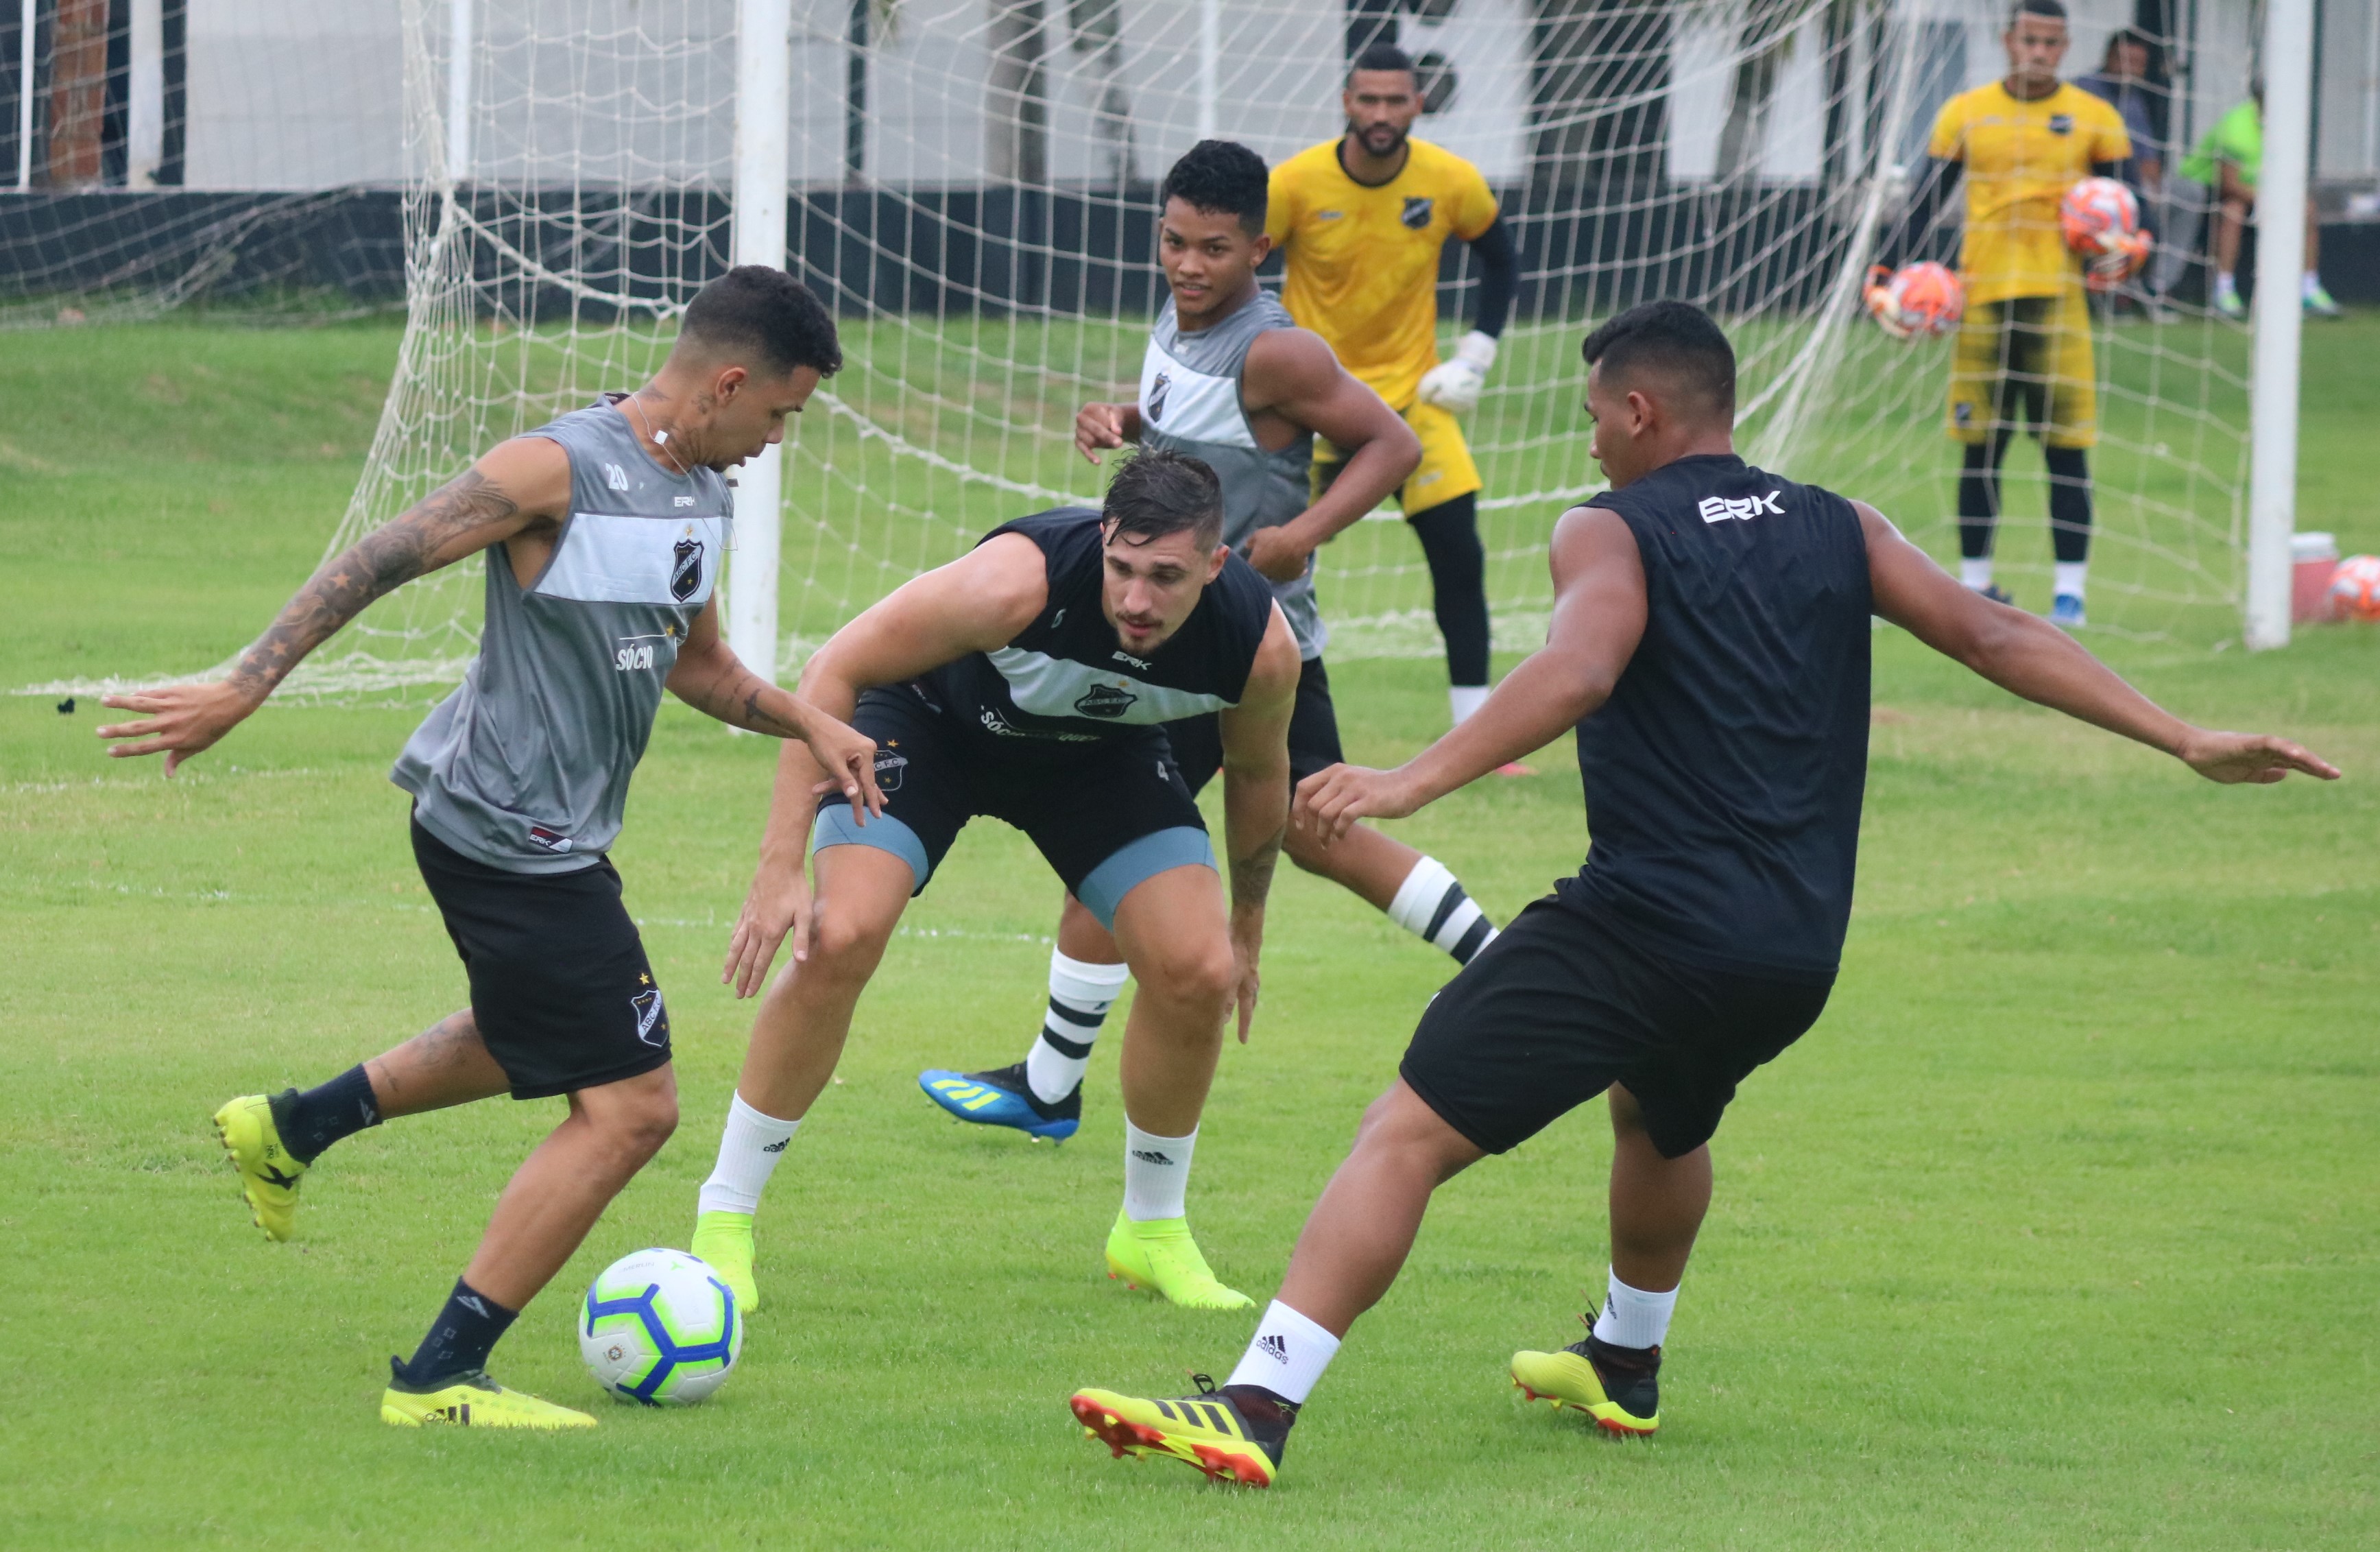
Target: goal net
(972, 192)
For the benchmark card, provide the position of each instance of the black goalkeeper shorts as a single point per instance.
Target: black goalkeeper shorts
(1559, 1009)
(560, 987)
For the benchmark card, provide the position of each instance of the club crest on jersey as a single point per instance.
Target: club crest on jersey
(686, 569)
(1157, 395)
(1719, 508)
(552, 840)
(651, 1026)
(1106, 702)
(888, 767)
(2061, 123)
(1416, 212)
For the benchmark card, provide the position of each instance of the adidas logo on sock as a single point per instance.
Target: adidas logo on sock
(1275, 1347)
(776, 1148)
(1150, 1155)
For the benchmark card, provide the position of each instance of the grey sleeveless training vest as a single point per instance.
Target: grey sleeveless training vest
(1190, 403)
(526, 765)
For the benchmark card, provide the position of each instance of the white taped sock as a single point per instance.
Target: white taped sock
(1465, 699)
(1431, 905)
(1080, 995)
(1632, 1317)
(1287, 1356)
(1976, 575)
(748, 1151)
(2070, 576)
(1156, 1173)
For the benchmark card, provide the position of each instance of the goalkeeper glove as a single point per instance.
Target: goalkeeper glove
(1455, 386)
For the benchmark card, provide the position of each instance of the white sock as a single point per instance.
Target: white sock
(1976, 575)
(2310, 283)
(1156, 1173)
(1431, 905)
(2225, 286)
(1632, 1317)
(748, 1151)
(2069, 575)
(1287, 1356)
(1465, 699)
(1080, 995)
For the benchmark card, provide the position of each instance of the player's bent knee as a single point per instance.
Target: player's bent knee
(1400, 1125)
(1195, 975)
(846, 943)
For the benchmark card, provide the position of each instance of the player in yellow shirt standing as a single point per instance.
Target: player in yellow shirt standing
(1361, 220)
(2024, 350)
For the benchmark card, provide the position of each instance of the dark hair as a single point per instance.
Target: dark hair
(2055, 10)
(763, 311)
(1221, 178)
(1674, 338)
(1157, 493)
(1383, 57)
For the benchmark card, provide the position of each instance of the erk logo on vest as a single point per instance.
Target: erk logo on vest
(1719, 508)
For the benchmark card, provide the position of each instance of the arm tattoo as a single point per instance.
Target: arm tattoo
(736, 701)
(375, 565)
(1252, 874)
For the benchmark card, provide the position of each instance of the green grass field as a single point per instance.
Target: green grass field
(2060, 1231)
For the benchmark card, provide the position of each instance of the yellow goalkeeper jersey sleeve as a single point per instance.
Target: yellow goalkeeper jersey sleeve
(2020, 159)
(1363, 261)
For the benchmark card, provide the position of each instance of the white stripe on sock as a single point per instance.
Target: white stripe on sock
(1156, 1173)
(1422, 904)
(1082, 993)
(749, 1147)
(1632, 1317)
(1287, 1355)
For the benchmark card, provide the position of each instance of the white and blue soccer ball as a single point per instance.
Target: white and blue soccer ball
(659, 1327)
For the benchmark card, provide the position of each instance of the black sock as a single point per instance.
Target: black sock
(312, 1121)
(460, 1338)
(1269, 1416)
(1458, 584)
(1979, 494)
(2069, 502)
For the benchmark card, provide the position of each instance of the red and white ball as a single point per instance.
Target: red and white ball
(2099, 216)
(1916, 301)
(2355, 588)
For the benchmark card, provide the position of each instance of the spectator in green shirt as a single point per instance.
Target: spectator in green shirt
(2228, 160)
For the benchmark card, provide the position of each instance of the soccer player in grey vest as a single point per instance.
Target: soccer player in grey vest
(603, 531)
(1709, 642)
(1229, 378)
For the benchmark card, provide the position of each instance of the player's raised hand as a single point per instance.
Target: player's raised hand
(1097, 428)
(2251, 757)
(184, 720)
(1330, 801)
(778, 906)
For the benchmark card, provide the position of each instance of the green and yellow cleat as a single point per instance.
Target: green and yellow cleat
(268, 1176)
(1161, 1256)
(1618, 1387)
(1206, 1431)
(473, 1401)
(724, 1240)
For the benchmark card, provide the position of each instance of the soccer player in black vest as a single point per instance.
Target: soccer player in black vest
(1710, 642)
(1031, 680)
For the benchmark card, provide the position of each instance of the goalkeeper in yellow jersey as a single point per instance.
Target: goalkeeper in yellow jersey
(2024, 353)
(1361, 220)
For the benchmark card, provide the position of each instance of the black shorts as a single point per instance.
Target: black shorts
(1107, 814)
(560, 987)
(1312, 734)
(1559, 1009)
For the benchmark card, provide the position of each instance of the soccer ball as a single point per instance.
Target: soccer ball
(2098, 216)
(2355, 588)
(659, 1327)
(1918, 301)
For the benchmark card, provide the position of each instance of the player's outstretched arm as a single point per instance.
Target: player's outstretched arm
(1255, 799)
(1598, 617)
(2031, 657)
(977, 602)
(519, 484)
(712, 679)
(1293, 374)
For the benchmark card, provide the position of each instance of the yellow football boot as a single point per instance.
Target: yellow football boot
(268, 1176)
(1618, 1387)
(1161, 1256)
(1207, 1431)
(474, 1401)
(723, 1240)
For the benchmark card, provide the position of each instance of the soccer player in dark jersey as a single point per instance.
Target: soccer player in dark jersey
(1710, 644)
(1230, 380)
(603, 531)
(1030, 681)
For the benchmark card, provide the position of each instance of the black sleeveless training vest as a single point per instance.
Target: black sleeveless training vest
(1066, 676)
(1724, 774)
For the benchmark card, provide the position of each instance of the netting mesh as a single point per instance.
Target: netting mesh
(974, 194)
